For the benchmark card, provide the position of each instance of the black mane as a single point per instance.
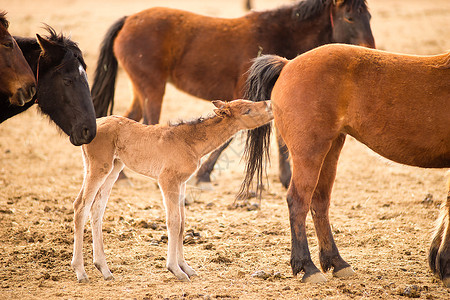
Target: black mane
(3, 20)
(310, 8)
(64, 42)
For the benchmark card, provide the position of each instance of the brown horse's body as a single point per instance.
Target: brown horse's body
(208, 57)
(17, 82)
(398, 105)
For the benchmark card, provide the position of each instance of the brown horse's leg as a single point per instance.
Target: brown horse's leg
(283, 162)
(134, 112)
(306, 168)
(151, 101)
(320, 204)
(204, 173)
(439, 256)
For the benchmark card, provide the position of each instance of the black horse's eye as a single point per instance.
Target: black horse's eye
(67, 81)
(9, 45)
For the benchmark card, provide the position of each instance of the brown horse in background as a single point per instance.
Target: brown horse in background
(208, 57)
(17, 82)
(397, 105)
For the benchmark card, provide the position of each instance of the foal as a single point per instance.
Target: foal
(170, 154)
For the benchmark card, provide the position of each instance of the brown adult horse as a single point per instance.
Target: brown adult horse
(397, 105)
(16, 78)
(208, 57)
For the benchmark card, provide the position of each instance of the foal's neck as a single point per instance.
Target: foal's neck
(210, 134)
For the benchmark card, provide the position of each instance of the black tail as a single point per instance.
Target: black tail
(262, 76)
(105, 74)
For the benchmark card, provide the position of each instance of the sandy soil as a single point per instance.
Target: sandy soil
(382, 213)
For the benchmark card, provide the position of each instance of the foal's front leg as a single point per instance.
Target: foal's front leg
(97, 212)
(171, 196)
(181, 262)
(82, 206)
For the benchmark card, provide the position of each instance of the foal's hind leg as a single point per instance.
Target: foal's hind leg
(320, 204)
(97, 212)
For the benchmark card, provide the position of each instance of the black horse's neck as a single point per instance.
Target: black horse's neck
(31, 51)
(295, 28)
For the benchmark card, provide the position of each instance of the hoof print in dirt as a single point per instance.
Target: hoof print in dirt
(268, 276)
(411, 291)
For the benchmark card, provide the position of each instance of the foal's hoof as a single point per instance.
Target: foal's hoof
(314, 278)
(83, 280)
(184, 278)
(345, 272)
(110, 277)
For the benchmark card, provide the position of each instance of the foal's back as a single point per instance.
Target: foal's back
(398, 105)
(145, 149)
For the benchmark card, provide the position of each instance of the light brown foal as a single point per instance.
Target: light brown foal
(170, 154)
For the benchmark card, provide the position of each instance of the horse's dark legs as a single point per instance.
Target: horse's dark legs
(204, 173)
(320, 204)
(439, 255)
(307, 161)
(300, 255)
(283, 162)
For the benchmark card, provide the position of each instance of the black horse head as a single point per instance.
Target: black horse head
(63, 90)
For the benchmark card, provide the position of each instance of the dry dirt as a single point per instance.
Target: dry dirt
(382, 213)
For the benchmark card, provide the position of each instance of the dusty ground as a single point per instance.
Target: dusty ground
(382, 213)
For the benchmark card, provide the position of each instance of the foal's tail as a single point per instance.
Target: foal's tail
(262, 76)
(105, 74)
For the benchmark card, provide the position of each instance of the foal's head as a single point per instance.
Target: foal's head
(247, 114)
(63, 90)
(16, 78)
(350, 22)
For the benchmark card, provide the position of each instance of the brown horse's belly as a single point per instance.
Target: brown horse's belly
(424, 151)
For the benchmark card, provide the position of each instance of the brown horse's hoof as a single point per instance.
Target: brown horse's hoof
(346, 272)
(446, 282)
(314, 278)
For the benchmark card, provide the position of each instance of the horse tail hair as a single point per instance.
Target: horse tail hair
(105, 74)
(262, 76)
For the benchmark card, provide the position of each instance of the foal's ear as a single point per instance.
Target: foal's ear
(222, 112)
(48, 46)
(218, 103)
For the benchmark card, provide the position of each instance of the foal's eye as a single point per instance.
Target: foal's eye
(247, 111)
(67, 81)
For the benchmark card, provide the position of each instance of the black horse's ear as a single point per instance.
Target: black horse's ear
(49, 46)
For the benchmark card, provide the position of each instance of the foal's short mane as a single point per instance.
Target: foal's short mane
(310, 8)
(3, 20)
(192, 122)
